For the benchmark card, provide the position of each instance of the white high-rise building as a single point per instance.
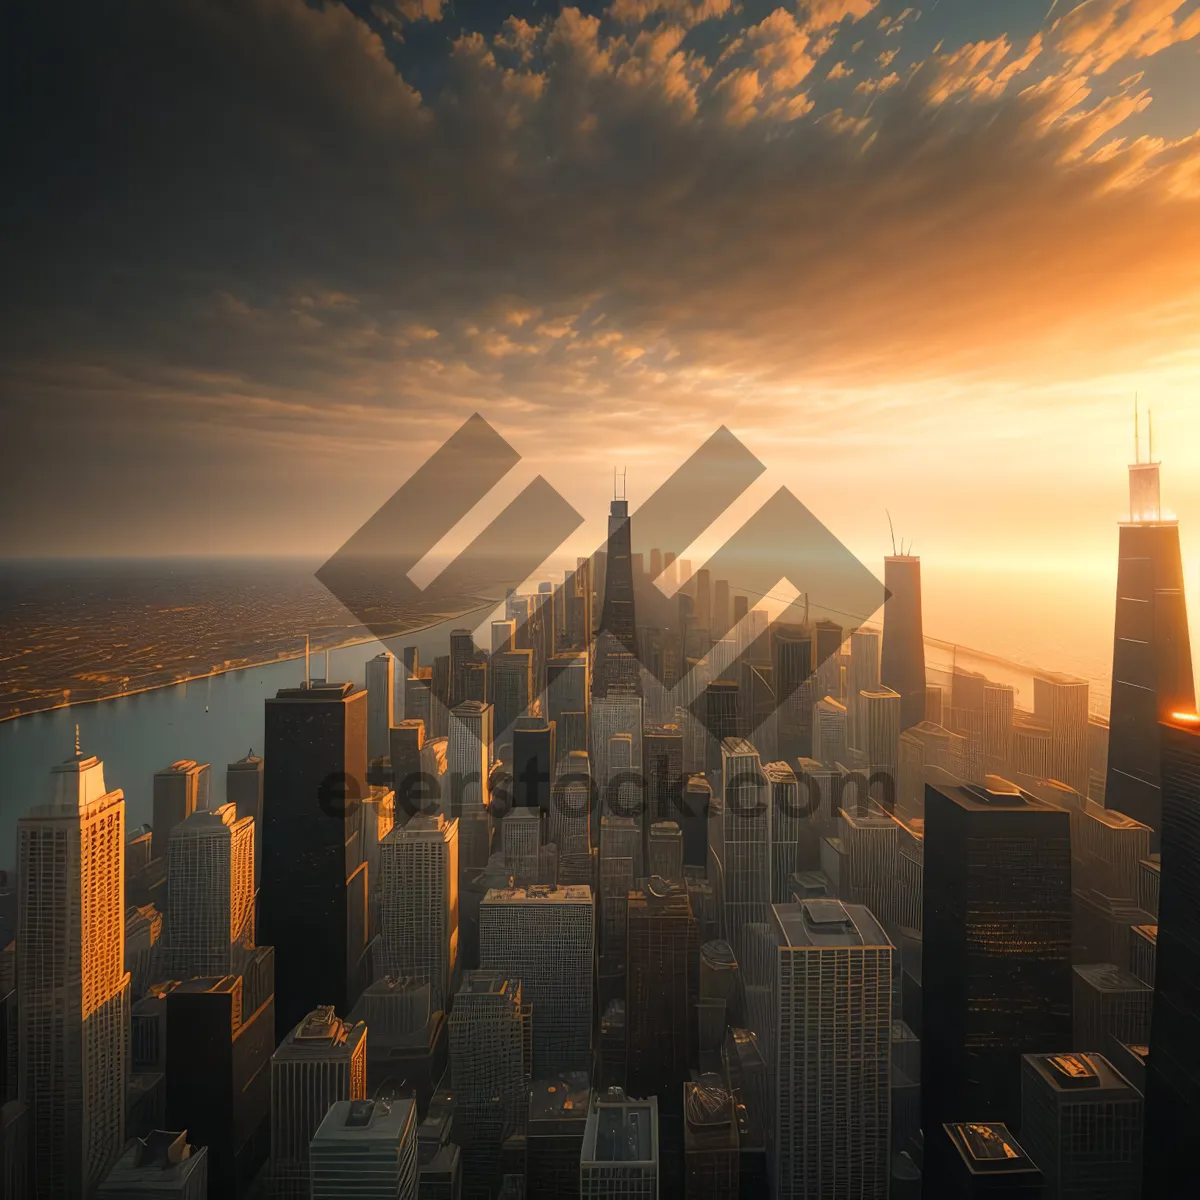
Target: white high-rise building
(744, 838)
(862, 675)
(544, 937)
(879, 729)
(829, 731)
(830, 1052)
(381, 703)
(418, 903)
(365, 1150)
(72, 986)
(469, 750)
(210, 893)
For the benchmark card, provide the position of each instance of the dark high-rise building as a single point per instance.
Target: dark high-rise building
(720, 719)
(902, 659)
(660, 990)
(218, 1082)
(405, 741)
(618, 630)
(791, 672)
(533, 763)
(996, 963)
(462, 652)
(566, 692)
(1173, 1068)
(980, 1159)
(710, 1142)
(558, 1109)
(1152, 656)
(697, 797)
(313, 896)
(1081, 1123)
(662, 751)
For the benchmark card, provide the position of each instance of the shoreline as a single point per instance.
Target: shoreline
(230, 670)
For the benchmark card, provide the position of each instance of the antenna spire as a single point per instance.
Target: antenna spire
(892, 530)
(1137, 450)
(307, 673)
(76, 739)
(326, 664)
(1150, 429)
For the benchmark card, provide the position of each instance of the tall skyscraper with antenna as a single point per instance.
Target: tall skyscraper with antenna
(1152, 655)
(616, 640)
(72, 986)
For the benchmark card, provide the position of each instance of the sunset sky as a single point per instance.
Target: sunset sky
(262, 257)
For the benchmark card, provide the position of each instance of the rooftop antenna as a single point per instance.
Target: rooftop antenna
(619, 492)
(1137, 451)
(307, 674)
(892, 530)
(326, 664)
(1150, 424)
(77, 755)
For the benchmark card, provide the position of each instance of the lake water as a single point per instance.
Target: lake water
(214, 720)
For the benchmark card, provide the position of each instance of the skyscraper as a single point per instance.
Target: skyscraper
(829, 732)
(72, 986)
(902, 658)
(543, 936)
(1173, 1069)
(469, 751)
(489, 1070)
(244, 788)
(381, 677)
(210, 893)
(996, 963)
(1152, 656)
(862, 676)
(462, 652)
(1060, 702)
(179, 790)
(321, 1061)
(512, 690)
(535, 762)
(418, 903)
(365, 1150)
(661, 990)
(217, 1063)
(794, 685)
(313, 897)
(617, 631)
(620, 1148)
(1081, 1122)
(830, 1050)
(743, 847)
(879, 716)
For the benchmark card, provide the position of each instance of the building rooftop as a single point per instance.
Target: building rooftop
(1108, 977)
(382, 1120)
(620, 1130)
(1079, 1074)
(576, 893)
(564, 1096)
(987, 1148)
(821, 923)
(320, 1032)
(738, 747)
